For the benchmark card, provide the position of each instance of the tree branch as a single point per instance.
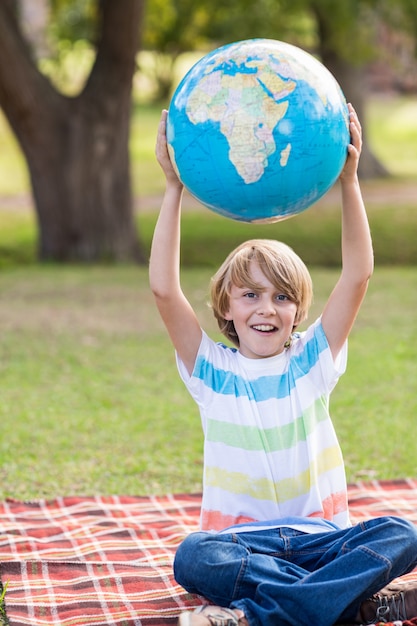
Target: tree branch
(22, 87)
(117, 46)
(120, 31)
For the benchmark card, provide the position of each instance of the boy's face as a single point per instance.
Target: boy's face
(263, 318)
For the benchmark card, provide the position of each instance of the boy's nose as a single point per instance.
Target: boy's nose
(266, 308)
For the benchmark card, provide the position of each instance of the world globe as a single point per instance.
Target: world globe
(258, 130)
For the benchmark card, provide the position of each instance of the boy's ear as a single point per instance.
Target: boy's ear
(228, 316)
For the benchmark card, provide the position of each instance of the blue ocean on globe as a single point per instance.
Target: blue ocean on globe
(258, 130)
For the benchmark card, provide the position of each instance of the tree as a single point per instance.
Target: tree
(173, 27)
(77, 147)
(347, 42)
(338, 26)
(342, 34)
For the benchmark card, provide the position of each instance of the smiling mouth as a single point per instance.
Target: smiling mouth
(264, 328)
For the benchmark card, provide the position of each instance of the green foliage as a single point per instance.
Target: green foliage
(73, 20)
(339, 24)
(347, 29)
(272, 19)
(71, 34)
(172, 27)
(175, 26)
(401, 16)
(69, 65)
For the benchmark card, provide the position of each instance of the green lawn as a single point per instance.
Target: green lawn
(92, 403)
(393, 133)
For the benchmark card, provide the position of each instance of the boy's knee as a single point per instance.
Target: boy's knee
(199, 555)
(403, 529)
(188, 555)
(392, 526)
(209, 564)
(409, 531)
(400, 532)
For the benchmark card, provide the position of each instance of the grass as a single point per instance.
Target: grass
(146, 173)
(82, 408)
(393, 133)
(3, 617)
(92, 403)
(207, 238)
(14, 177)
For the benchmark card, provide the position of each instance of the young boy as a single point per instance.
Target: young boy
(276, 547)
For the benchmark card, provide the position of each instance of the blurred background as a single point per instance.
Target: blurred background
(82, 84)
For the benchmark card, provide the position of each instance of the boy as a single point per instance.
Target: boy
(276, 547)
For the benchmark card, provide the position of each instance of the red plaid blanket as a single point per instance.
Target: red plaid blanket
(108, 560)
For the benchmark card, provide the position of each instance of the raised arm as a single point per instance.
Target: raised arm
(164, 267)
(357, 256)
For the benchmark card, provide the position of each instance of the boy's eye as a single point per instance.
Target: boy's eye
(249, 294)
(282, 297)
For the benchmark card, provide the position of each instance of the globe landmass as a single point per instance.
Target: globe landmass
(258, 130)
(247, 116)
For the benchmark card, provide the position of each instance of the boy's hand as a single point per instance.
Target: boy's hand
(350, 168)
(162, 154)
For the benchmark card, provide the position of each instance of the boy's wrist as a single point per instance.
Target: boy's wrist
(174, 191)
(174, 184)
(348, 180)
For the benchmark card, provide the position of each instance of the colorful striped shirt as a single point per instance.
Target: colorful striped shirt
(270, 449)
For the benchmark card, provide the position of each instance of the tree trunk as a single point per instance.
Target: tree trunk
(77, 148)
(352, 81)
(351, 77)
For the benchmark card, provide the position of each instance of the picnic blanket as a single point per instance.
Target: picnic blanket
(95, 561)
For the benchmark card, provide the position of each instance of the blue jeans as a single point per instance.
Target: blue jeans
(284, 577)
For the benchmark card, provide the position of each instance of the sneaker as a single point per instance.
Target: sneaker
(396, 601)
(208, 615)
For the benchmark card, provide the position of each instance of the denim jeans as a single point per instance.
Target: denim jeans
(284, 577)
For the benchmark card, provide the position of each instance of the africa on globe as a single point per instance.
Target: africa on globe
(258, 130)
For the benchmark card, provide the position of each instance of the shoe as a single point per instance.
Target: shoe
(209, 615)
(396, 601)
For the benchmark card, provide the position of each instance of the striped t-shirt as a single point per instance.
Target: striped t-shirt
(270, 449)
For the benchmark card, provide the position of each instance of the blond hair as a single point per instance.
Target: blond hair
(281, 266)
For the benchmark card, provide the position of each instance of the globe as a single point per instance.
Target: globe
(258, 130)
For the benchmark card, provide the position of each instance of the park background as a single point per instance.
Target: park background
(91, 400)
